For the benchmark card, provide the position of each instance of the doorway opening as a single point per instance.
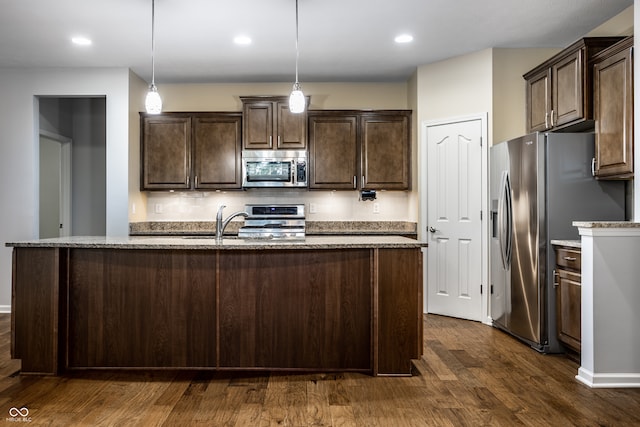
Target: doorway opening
(72, 166)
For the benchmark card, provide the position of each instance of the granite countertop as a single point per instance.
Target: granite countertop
(195, 228)
(195, 242)
(606, 224)
(568, 243)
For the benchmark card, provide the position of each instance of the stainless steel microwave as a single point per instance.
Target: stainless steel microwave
(274, 168)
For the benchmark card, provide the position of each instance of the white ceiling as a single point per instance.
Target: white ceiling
(340, 40)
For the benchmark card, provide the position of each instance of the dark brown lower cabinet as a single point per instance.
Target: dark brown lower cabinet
(567, 281)
(296, 309)
(325, 309)
(399, 331)
(36, 306)
(141, 308)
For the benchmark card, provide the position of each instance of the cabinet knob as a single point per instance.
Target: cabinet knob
(432, 230)
(570, 258)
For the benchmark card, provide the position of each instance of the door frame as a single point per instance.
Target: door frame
(423, 208)
(65, 179)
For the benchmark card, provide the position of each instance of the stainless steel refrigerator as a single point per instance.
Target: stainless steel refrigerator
(539, 184)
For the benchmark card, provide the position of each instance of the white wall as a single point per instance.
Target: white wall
(138, 89)
(19, 152)
(455, 87)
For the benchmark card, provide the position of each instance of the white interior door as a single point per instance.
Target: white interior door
(454, 224)
(55, 186)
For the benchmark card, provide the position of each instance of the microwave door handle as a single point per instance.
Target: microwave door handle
(294, 175)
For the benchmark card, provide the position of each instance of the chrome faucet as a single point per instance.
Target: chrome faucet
(221, 225)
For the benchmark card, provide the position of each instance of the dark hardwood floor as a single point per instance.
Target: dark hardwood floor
(470, 375)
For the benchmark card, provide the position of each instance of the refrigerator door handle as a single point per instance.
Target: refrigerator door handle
(504, 220)
(501, 219)
(509, 221)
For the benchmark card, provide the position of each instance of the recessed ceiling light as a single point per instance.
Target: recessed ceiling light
(404, 38)
(81, 41)
(242, 40)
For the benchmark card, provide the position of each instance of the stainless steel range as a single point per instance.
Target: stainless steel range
(273, 222)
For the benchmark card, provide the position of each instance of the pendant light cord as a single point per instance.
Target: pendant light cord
(153, 38)
(297, 52)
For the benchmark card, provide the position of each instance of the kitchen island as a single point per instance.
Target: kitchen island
(330, 303)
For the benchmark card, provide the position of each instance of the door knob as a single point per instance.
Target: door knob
(431, 229)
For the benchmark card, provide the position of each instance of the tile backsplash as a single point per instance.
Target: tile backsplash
(319, 205)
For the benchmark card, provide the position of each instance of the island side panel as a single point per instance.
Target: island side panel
(35, 309)
(296, 309)
(142, 308)
(399, 311)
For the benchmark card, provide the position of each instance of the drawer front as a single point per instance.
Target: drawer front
(575, 278)
(568, 258)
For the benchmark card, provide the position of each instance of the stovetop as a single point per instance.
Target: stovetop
(274, 221)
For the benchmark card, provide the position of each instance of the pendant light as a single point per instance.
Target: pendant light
(296, 99)
(153, 102)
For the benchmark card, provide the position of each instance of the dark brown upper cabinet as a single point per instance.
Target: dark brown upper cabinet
(333, 150)
(197, 151)
(613, 111)
(351, 150)
(269, 125)
(559, 92)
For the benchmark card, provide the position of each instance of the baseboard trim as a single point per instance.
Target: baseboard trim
(5, 309)
(617, 380)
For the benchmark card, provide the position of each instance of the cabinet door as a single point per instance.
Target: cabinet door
(291, 129)
(38, 304)
(567, 80)
(539, 101)
(613, 112)
(386, 143)
(257, 125)
(568, 301)
(333, 151)
(141, 308)
(165, 152)
(296, 309)
(217, 147)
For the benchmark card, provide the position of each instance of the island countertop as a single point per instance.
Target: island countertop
(232, 243)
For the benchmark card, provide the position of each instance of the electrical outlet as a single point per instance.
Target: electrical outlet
(313, 208)
(158, 208)
(376, 208)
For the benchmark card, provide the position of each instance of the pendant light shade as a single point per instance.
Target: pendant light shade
(153, 102)
(297, 101)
